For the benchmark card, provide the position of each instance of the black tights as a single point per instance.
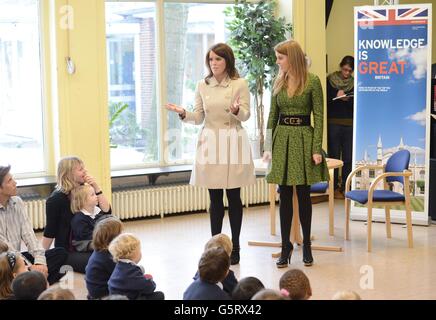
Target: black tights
(217, 212)
(286, 212)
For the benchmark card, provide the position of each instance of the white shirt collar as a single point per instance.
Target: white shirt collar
(132, 263)
(93, 214)
(127, 261)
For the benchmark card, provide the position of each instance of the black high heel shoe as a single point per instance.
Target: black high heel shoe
(285, 256)
(234, 256)
(307, 255)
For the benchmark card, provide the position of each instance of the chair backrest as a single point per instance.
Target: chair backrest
(398, 162)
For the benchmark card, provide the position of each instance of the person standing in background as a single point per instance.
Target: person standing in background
(340, 120)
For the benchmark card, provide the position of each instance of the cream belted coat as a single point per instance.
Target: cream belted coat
(223, 158)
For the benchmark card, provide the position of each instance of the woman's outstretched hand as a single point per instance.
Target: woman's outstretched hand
(267, 156)
(234, 108)
(175, 108)
(317, 158)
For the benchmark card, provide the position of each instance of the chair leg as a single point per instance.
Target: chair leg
(409, 224)
(388, 222)
(347, 219)
(369, 240)
(331, 214)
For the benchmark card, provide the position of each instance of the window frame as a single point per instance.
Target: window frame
(161, 84)
(46, 95)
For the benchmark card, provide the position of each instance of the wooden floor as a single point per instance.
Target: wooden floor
(172, 246)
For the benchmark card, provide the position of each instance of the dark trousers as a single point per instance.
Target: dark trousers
(217, 212)
(55, 259)
(78, 260)
(340, 144)
(286, 212)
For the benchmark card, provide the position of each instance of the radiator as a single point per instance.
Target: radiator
(36, 211)
(158, 201)
(165, 200)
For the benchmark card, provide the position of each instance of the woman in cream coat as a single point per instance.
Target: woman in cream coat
(223, 158)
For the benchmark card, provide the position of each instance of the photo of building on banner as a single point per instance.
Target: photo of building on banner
(392, 96)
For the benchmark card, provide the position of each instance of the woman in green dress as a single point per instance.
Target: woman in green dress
(293, 145)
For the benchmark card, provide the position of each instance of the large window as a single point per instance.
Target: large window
(189, 29)
(131, 53)
(21, 107)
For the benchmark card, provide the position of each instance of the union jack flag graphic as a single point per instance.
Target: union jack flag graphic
(392, 17)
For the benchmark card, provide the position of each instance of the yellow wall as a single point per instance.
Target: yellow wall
(80, 99)
(309, 31)
(340, 29)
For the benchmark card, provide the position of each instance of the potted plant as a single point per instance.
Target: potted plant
(115, 111)
(254, 31)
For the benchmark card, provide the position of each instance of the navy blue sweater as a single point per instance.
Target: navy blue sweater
(98, 271)
(229, 283)
(82, 227)
(129, 280)
(202, 290)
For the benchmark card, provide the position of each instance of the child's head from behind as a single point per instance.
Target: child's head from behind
(57, 293)
(105, 231)
(82, 197)
(296, 283)
(11, 265)
(269, 294)
(214, 265)
(346, 295)
(220, 241)
(29, 285)
(125, 246)
(247, 288)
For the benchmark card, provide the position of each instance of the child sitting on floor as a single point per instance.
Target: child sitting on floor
(222, 241)
(84, 205)
(128, 278)
(296, 284)
(101, 264)
(247, 288)
(212, 268)
(11, 265)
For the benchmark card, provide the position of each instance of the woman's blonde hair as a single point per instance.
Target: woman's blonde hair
(124, 246)
(7, 273)
(79, 196)
(297, 71)
(105, 231)
(220, 241)
(65, 179)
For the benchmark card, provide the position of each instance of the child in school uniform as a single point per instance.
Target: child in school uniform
(296, 285)
(221, 240)
(84, 205)
(128, 277)
(101, 264)
(12, 264)
(213, 267)
(247, 288)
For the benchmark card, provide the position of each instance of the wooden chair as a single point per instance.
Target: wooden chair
(396, 169)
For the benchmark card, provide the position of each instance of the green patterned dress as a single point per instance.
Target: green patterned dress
(292, 147)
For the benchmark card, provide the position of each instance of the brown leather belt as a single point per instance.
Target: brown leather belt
(297, 120)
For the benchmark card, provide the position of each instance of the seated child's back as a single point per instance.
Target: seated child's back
(212, 268)
(101, 264)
